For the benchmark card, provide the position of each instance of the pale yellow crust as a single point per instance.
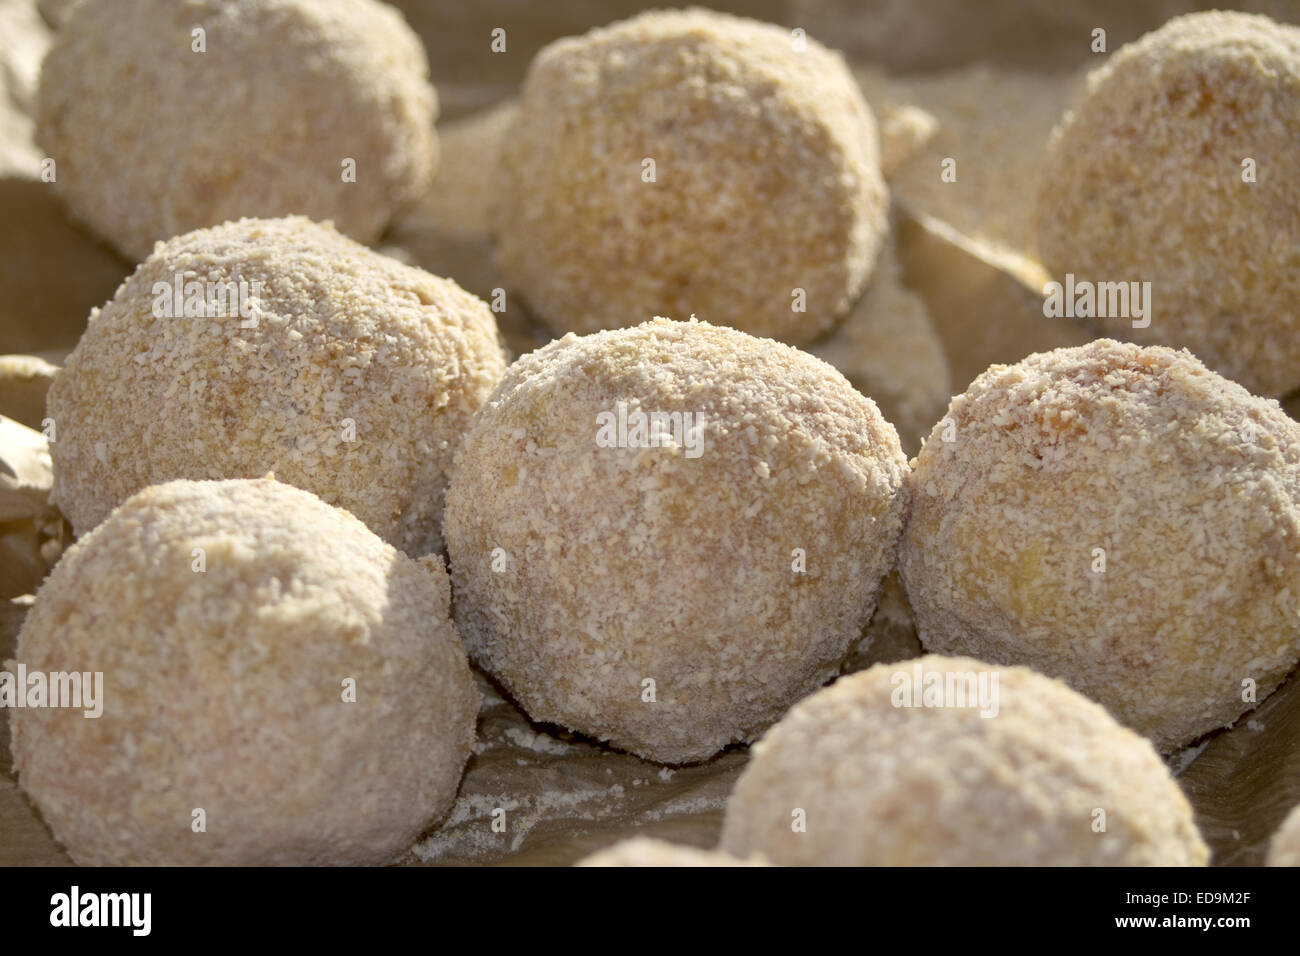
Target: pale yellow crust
(1118, 516)
(1143, 182)
(152, 139)
(1284, 849)
(643, 851)
(886, 785)
(767, 179)
(623, 565)
(223, 689)
(343, 335)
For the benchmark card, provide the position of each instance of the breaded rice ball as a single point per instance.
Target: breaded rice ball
(1144, 181)
(153, 138)
(765, 193)
(950, 762)
(1284, 850)
(643, 851)
(350, 375)
(266, 660)
(670, 586)
(1120, 517)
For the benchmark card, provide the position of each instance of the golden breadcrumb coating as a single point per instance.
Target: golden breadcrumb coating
(1143, 181)
(152, 139)
(356, 383)
(1284, 850)
(766, 179)
(1049, 780)
(583, 572)
(1118, 516)
(643, 851)
(223, 687)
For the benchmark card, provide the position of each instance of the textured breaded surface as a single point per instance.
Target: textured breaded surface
(343, 334)
(1143, 182)
(642, 851)
(152, 139)
(1187, 483)
(886, 785)
(767, 179)
(1285, 847)
(623, 565)
(223, 688)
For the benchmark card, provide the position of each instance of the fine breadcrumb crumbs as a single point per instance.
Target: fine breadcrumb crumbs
(224, 684)
(735, 581)
(883, 782)
(153, 138)
(355, 383)
(1179, 167)
(1118, 516)
(764, 209)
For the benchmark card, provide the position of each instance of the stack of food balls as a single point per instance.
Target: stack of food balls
(665, 534)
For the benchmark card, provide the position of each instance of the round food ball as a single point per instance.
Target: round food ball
(670, 585)
(1120, 517)
(690, 162)
(1179, 167)
(341, 370)
(230, 620)
(950, 762)
(1285, 847)
(294, 106)
(642, 851)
